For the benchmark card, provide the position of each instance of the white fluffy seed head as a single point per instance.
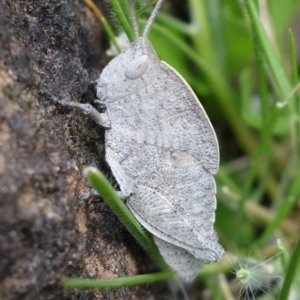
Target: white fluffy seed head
(253, 277)
(243, 275)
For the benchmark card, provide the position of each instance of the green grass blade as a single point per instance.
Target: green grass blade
(273, 62)
(291, 272)
(116, 282)
(295, 81)
(284, 255)
(144, 7)
(104, 23)
(294, 68)
(262, 84)
(256, 164)
(122, 19)
(175, 24)
(110, 34)
(284, 210)
(199, 19)
(106, 191)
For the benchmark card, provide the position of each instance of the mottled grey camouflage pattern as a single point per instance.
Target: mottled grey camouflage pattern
(163, 152)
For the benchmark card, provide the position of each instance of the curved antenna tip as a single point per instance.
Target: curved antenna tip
(134, 20)
(152, 18)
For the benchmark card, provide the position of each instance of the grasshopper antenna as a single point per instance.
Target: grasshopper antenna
(152, 18)
(133, 20)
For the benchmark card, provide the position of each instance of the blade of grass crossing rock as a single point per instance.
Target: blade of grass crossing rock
(106, 191)
(116, 282)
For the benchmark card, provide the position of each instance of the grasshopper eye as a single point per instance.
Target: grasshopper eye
(137, 67)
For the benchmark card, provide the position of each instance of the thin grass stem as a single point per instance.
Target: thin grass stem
(116, 282)
(273, 62)
(104, 23)
(106, 191)
(122, 19)
(283, 210)
(291, 272)
(295, 81)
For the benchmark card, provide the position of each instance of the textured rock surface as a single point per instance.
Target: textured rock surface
(43, 150)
